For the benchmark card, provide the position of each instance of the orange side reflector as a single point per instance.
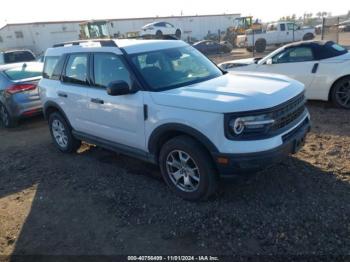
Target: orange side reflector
(222, 160)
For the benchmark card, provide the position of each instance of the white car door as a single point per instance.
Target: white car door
(117, 119)
(296, 62)
(72, 91)
(284, 35)
(170, 29)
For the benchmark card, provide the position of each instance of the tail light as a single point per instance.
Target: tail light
(14, 89)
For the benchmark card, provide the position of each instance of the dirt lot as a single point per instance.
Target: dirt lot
(98, 202)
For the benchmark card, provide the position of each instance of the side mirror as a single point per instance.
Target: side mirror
(118, 88)
(269, 61)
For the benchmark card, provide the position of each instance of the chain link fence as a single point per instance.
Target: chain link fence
(336, 29)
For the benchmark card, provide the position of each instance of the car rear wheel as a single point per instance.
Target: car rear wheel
(61, 134)
(6, 118)
(159, 34)
(187, 168)
(308, 36)
(260, 45)
(178, 34)
(341, 93)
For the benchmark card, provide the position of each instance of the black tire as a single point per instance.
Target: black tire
(159, 34)
(178, 33)
(72, 144)
(6, 119)
(340, 93)
(308, 36)
(207, 174)
(260, 45)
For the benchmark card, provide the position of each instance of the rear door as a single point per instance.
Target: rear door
(118, 119)
(72, 92)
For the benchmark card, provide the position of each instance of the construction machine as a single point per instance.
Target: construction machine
(240, 26)
(94, 29)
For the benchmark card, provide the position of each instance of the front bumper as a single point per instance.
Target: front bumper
(236, 164)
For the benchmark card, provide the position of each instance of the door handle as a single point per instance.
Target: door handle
(97, 101)
(61, 94)
(314, 68)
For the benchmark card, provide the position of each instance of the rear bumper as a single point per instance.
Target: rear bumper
(19, 108)
(252, 162)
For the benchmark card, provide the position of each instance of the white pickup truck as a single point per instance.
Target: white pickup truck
(276, 34)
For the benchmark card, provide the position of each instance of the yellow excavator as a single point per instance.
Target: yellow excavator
(94, 29)
(240, 26)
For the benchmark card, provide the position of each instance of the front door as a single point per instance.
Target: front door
(118, 119)
(296, 62)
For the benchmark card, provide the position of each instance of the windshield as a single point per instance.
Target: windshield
(175, 67)
(18, 56)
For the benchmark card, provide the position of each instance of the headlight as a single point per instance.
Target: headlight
(249, 125)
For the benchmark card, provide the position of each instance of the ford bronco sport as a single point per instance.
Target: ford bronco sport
(164, 102)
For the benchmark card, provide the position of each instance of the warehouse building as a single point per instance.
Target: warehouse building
(39, 36)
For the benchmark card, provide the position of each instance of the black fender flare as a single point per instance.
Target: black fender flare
(51, 104)
(161, 131)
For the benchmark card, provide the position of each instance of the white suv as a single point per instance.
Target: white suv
(164, 102)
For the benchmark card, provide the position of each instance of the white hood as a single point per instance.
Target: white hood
(233, 92)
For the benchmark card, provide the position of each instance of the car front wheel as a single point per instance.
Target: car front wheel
(61, 134)
(187, 168)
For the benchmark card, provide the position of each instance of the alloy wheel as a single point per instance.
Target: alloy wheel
(342, 94)
(5, 118)
(59, 133)
(183, 171)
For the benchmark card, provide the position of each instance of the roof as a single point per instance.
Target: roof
(321, 49)
(310, 42)
(131, 46)
(15, 50)
(118, 19)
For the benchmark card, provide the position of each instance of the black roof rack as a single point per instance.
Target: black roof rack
(103, 42)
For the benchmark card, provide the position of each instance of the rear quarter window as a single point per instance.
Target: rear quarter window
(49, 66)
(23, 72)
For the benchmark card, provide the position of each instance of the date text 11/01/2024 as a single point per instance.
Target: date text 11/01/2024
(173, 258)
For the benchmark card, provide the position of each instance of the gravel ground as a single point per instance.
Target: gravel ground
(98, 202)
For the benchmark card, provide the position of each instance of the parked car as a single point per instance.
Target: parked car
(16, 56)
(344, 26)
(159, 29)
(164, 102)
(19, 95)
(322, 66)
(209, 47)
(276, 34)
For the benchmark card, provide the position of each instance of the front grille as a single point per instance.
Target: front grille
(286, 114)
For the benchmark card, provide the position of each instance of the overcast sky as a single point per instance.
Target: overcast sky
(13, 11)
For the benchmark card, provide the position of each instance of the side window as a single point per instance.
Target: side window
(76, 69)
(272, 27)
(49, 66)
(283, 27)
(108, 68)
(290, 26)
(294, 55)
